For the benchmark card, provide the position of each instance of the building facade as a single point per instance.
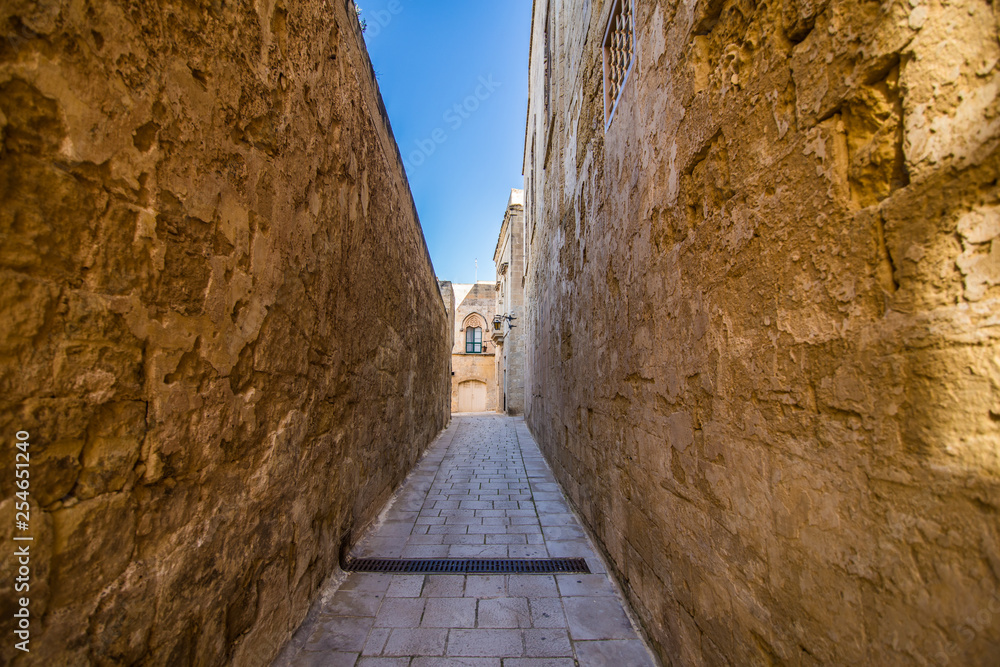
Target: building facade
(763, 273)
(473, 370)
(506, 326)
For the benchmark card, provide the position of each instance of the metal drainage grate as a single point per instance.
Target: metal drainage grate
(469, 565)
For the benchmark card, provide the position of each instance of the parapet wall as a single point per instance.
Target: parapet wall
(221, 326)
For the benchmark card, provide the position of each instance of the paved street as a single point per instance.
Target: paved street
(483, 491)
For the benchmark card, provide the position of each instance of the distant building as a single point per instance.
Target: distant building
(505, 328)
(473, 375)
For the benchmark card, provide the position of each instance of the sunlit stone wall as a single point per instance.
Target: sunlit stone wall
(764, 321)
(221, 327)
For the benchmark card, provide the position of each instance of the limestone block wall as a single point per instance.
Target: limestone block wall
(763, 321)
(448, 297)
(510, 301)
(221, 379)
(473, 299)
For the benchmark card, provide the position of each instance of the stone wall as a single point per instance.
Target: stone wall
(473, 299)
(221, 380)
(448, 297)
(763, 321)
(509, 260)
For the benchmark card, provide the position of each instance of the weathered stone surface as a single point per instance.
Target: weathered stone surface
(763, 321)
(509, 337)
(221, 326)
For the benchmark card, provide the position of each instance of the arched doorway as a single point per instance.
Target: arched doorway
(472, 396)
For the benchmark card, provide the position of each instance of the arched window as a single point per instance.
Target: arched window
(473, 340)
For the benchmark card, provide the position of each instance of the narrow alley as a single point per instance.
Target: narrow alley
(682, 314)
(482, 491)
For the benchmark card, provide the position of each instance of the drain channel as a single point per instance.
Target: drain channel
(469, 565)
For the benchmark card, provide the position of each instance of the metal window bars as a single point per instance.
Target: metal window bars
(619, 50)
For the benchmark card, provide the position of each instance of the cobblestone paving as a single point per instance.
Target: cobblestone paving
(483, 491)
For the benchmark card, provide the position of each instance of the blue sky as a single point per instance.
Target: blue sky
(461, 161)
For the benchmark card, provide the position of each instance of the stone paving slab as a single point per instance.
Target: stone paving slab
(483, 490)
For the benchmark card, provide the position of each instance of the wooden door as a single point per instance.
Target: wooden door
(472, 396)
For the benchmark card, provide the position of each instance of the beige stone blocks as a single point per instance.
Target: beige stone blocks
(761, 317)
(199, 330)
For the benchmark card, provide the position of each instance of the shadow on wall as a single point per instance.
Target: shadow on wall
(199, 344)
(762, 306)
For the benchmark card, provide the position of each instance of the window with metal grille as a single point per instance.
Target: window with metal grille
(619, 55)
(473, 340)
(547, 56)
